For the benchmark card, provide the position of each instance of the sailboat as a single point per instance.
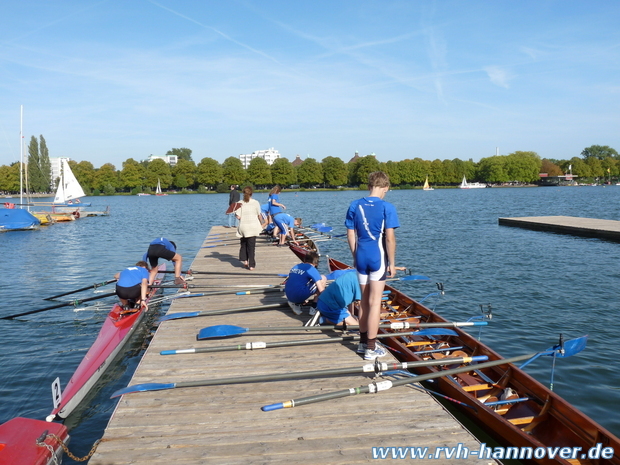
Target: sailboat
(471, 185)
(18, 219)
(427, 186)
(158, 190)
(69, 190)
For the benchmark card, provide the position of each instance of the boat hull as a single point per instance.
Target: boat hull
(117, 329)
(18, 442)
(543, 420)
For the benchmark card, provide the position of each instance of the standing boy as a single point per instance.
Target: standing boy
(370, 223)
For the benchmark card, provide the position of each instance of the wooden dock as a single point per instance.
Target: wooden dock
(587, 227)
(225, 424)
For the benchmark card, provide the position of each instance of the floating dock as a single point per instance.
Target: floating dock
(224, 424)
(587, 227)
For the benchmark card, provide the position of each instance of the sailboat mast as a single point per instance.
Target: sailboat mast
(21, 154)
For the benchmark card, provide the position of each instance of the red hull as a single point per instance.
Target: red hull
(115, 332)
(18, 441)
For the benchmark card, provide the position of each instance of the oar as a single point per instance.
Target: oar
(387, 384)
(376, 368)
(191, 272)
(64, 304)
(411, 277)
(271, 345)
(176, 316)
(93, 286)
(246, 292)
(230, 330)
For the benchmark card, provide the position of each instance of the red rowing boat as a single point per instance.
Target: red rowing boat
(115, 332)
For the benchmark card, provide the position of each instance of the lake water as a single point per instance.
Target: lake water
(538, 284)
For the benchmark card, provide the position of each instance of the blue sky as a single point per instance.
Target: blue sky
(107, 80)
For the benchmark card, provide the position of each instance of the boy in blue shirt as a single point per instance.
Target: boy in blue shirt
(370, 223)
(132, 285)
(163, 248)
(336, 301)
(304, 281)
(286, 224)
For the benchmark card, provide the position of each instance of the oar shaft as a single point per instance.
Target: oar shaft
(92, 286)
(237, 292)
(224, 311)
(65, 304)
(387, 384)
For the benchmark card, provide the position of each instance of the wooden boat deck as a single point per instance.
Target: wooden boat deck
(225, 425)
(587, 227)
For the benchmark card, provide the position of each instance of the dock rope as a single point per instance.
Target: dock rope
(40, 442)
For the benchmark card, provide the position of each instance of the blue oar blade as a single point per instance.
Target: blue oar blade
(220, 331)
(142, 388)
(175, 316)
(572, 347)
(325, 229)
(415, 277)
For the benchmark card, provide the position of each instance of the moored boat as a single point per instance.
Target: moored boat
(24, 441)
(17, 219)
(471, 185)
(117, 329)
(534, 419)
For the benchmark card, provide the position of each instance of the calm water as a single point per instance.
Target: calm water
(539, 284)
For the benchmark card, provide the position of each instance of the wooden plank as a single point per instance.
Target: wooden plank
(224, 423)
(587, 227)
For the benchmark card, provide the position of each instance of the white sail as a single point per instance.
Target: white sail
(68, 187)
(158, 190)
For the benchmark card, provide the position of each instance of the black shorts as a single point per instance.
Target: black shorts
(159, 251)
(129, 293)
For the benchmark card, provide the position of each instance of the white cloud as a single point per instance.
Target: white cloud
(498, 76)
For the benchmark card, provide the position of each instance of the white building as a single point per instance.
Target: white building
(170, 159)
(270, 155)
(55, 167)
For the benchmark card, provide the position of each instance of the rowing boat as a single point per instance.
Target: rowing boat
(31, 442)
(117, 329)
(535, 417)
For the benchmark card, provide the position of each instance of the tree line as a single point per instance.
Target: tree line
(595, 162)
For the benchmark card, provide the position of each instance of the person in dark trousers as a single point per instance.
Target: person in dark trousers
(233, 198)
(251, 224)
(163, 248)
(132, 286)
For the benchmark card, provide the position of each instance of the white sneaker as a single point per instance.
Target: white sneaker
(312, 311)
(370, 354)
(296, 308)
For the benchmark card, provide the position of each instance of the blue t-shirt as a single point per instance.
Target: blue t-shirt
(160, 241)
(132, 276)
(301, 283)
(339, 294)
(282, 220)
(273, 209)
(370, 217)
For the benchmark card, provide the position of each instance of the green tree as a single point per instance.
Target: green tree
(309, 173)
(233, 172)
(158, 170)
(363, 167)
(259, 172)
(9, 177)
(596, 167)
(184, 173)
(493, 169)
(576, 166)
(523, 166)
(46, 166)
(132, 175)
(106, 178)
(84, 172)
(393, 171)
(209, 172)
(282, 172)
(334, 171)
(182, 154)
(35, 177)
(599, 151)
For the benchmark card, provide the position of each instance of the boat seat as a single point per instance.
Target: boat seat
(476, 387)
